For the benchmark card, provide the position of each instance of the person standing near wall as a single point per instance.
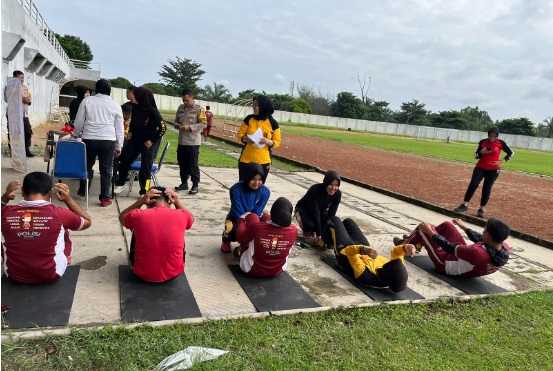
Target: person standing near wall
(190, 122)
(82, 93)
(487, 168)
(209, 117)
(26, 99)
(259, 152)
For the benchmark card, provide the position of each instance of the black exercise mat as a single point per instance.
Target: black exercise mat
(41, 305)
(374, 293)
(272, 294)
(470, 285)
(148, 301)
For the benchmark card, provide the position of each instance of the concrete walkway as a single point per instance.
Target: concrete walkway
(102, 248)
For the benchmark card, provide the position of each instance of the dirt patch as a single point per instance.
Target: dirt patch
(524, 201)
(93, 264)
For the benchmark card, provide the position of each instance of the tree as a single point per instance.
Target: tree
(348, 105)
(181, 74)
(545, 129)
(413, 113)
(379, 111)
(119, 82)
(247, 94)
(156, 87)
(319, 102)
(364, 86)
(450, 119)
(75, 47)
(300, 105)
(479, 120)
(518, 126)
(281, 101)
(217, 93)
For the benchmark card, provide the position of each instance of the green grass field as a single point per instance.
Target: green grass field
(495, 333)
(531, 161)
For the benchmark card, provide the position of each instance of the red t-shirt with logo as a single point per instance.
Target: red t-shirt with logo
(486, 160)
(35, 241)
(268, 246)
(477, 255)
(159, 241)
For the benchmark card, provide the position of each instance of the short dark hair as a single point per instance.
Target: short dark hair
(127, 108)
(187, 92)
(37, 182)
(207, 107)
(103, 87)
(131, 87)
(17, 73)
(498, 230)
(163, 195)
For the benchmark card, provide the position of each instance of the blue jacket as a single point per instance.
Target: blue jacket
(241, 202)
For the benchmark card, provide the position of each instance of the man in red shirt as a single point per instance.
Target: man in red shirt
(35, 234)
(157, 244)
(450, 253)
(264, 246)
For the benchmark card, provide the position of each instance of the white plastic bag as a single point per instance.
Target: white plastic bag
(186, 358)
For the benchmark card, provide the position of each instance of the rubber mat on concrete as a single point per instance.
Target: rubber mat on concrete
(272, 294)
(42, 305)
(375, 294)
(148, 301)
(470, 285)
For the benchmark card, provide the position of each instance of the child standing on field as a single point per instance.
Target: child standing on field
(209, 116)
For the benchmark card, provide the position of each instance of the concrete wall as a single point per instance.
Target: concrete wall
(172, 103)
(41, 63)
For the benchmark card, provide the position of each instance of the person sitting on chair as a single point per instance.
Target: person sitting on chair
(35, 246)
(157, 245)
(453, 256)
(359, 260)
(264, 246)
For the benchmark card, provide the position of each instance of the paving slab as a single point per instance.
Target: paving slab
(102, 248)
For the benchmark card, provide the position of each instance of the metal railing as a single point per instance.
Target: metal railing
(31, 8)
(86, 65)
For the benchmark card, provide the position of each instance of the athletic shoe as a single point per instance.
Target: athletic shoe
(480, 213)
(81, 193)
(461, 208)
(142, 192)
(182, 187)
(119, 188)
(105, 203)
(194, 189)
(237, 251)
(226, 247)
(29, 154)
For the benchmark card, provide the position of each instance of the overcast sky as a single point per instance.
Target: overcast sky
(494, 54)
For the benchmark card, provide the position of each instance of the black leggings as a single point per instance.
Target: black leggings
(489, 176)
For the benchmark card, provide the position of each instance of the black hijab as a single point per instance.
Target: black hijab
(103, 87)
(330, 176)
(145, 97)
(81, 91)
(394, 275)
(281, 212)
(252, 169)
(266, 107)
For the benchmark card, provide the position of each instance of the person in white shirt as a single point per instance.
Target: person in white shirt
(100, 120)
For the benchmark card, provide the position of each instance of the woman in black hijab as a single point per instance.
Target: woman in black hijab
(319, 204)
(249, 195)
(145, 131)
(82, 93)
(263, 121)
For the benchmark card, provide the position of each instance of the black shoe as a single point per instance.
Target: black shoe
(182, 187)
(461, 208)
(480, 213)
(142, 192)
(194, 189)
(29, 154)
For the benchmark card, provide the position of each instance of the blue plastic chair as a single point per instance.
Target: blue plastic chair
(135, 168)
(70, 162)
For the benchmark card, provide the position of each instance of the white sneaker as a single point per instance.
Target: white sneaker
(119, 188)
